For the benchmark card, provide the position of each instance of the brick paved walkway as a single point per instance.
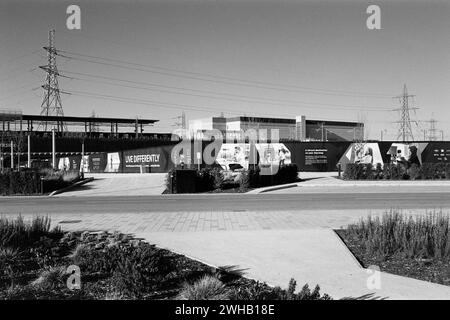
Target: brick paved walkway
(209, 221)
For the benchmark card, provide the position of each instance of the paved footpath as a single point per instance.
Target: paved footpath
(328, 182)
(120, 184)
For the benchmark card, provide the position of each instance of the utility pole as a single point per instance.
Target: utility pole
(82, 158)
(51, 104)
(12, 155)
(53, 149)
(405, 130)
(29, 151)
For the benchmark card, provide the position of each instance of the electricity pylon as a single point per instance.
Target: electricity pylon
(405, 130)
(51, 104)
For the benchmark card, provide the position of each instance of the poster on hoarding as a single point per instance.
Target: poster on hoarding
(113, 162)
(363, 153)
(154, 159)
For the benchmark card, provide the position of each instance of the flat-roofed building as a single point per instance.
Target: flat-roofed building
(299, 128)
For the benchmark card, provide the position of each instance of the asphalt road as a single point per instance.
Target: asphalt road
(223, 202)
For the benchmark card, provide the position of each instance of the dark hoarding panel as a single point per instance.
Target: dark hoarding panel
(317, 156)
(153, 159)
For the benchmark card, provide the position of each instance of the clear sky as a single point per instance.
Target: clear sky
(268, 58)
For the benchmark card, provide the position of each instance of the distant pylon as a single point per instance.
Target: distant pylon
(51, 104)
(432, 131)
(182, 123)
(405, 130)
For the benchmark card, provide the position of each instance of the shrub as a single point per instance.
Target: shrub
(415, 172)
(427, 171)
(261, 291)
(352, 171)
(244, 180)
(19, 182)
(18, 234)
(400, 171)
(170, 181)
(439, 170)
(10, 262)
(447, 171)
(207, 288)
(92, 261)
(50, 278)
(378, 171)
(425, 236)
(141, 269)
(207, 179)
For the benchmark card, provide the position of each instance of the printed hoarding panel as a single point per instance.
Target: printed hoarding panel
(316, 156)
(154, 159)
(113, 162)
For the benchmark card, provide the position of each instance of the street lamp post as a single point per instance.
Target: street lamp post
(53, 150)
(12, 155)
(29, 151)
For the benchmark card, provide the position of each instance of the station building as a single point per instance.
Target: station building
(300, 128)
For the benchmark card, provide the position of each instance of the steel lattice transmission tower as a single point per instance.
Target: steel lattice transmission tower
(432, 131)
(51, 105)
(405, 130)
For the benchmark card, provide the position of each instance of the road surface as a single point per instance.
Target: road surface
(224, 202)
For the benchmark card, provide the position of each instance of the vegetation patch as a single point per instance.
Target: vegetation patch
(416, 247)
(35, 181)
(214, 179)
(427, 171)
(34, 261)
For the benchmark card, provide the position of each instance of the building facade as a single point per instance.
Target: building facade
(300, 128)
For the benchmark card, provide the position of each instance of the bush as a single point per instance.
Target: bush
(28, 181)
(208, 179)
(261, 291)
(18, 234)
(25, 182)
(207, 288)
(141, 269)
(421, 237)
(357, 171)
(415, 172)
(427, 171)
(390, 171)
(447, 171)
(378, 174)
(101, 262)
(51, 278)
(10, 262)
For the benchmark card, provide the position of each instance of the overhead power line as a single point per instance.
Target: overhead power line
(223, 96)
(164, 104)
(213, 78)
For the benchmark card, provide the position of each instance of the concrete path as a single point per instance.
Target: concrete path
(313, 256)
(328, 182)
(120, 184)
